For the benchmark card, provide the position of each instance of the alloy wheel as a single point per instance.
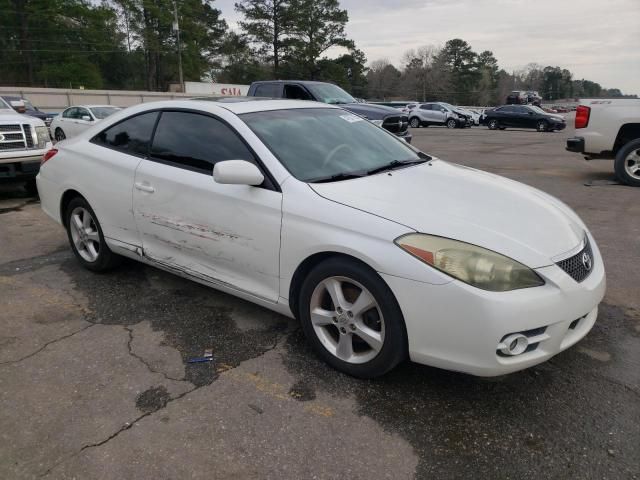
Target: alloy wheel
(84, 234)
(347, 320)
(493, 124)
(542, 126)
(60, 135)
(632, 164)
(451, 124)
(415, 122)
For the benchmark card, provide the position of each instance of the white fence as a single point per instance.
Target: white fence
(57, 99)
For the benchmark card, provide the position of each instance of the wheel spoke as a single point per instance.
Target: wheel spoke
(345, 347)
(91, 249)
(77, 222)
(320, 317)
(373, 338)
(93, 236)
(363, 303)
(334, 287)
(86, 219)
(77, 242)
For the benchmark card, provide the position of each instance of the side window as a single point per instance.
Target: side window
(425, 107)
(507, 109)
(69, 113)
(132, 135)
(82, 112)
(268, 90)
(296, 92)
(196, 142)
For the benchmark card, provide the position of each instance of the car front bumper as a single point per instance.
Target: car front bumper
(459, 327)
(25, 168)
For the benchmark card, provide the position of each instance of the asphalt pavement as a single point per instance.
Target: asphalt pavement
(96, 379)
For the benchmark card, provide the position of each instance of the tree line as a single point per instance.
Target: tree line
(132, 44)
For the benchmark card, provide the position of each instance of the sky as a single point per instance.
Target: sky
(598, 40)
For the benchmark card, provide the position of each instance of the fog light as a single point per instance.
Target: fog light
(513, 344)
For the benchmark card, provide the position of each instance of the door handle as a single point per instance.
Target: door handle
(145, 187)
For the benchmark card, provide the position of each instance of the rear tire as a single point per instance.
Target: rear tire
(627, 163)
(374, 335)
(86, 238)
(59, 135)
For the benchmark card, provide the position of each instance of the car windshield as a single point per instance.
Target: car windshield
(328, 93)
(326, 144)
(103, 112)
(4, 105)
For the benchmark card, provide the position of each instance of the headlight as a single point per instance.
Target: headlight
(468, 263)
(377, 122)
(42, 137)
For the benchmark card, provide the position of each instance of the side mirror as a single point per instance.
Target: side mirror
(237, 172)
(86, 118)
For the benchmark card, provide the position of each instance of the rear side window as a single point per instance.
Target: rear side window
(196, 142)
(70, 113)
(268, 90)
(132, 135)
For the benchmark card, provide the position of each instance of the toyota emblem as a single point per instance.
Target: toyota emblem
(586, 261)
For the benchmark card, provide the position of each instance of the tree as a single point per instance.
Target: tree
(461, 62)
(383, 79)
(267, 24)
(348, 71)
(239, 63)
(318, 26)
(486, 89)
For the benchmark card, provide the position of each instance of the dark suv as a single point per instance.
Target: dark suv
(388, 118)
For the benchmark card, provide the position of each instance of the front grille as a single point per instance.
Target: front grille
(27, 135)
(12, 146)
(396, 124)
(10, 128)
(580, 265)
(12, 136)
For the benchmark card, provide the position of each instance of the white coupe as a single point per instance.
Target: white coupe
(381, 251)
(75, 120)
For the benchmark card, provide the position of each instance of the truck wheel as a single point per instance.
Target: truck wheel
(493, 125)
(627, 164)
(414, 122)
(59, 135)
(451, 123)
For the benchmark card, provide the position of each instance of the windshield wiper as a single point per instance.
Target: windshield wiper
(336, 178)
(396, 164)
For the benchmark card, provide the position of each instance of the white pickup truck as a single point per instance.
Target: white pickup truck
(23, 142)
(610, 129)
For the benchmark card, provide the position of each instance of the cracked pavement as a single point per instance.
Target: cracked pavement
(95, 381)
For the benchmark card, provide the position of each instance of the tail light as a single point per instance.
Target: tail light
(48, 155)
(582, 116)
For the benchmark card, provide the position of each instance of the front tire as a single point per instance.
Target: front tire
(86, 238)
(627, 164)
(451, 123)
(414, 122)
(352, 319)
(542, 126)
(59, 135)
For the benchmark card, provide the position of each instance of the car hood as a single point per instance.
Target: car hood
(372, 112)
(465, 204)
(14, 117)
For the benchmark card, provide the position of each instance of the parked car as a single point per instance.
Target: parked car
(533, 98)
(523, 116)
(23, 141)
(386, 117)
(22, 105)
(610, 129)
(517, 97)
(313, 212)
(76, 119)
(438, 113)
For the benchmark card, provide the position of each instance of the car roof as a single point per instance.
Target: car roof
(306, 82)
(91, 106)
(240, 105)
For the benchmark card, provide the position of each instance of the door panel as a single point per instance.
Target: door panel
(220, 233)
